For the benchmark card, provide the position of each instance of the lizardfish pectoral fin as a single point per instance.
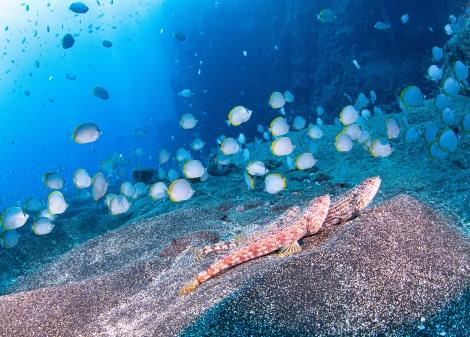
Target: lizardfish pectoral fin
(290, 249)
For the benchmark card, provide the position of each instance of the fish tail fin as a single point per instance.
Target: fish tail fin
(188, 287)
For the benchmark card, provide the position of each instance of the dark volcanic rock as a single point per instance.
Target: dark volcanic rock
(148, 176)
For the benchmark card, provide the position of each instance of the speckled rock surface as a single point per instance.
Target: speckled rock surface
(387, 272)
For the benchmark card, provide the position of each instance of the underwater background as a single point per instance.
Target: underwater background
(132, 91)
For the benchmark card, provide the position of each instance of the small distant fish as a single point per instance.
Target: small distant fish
(179, 36)
(71, 76)
(139, 151)
(68, 41)
(101, 93)
(405, 18)
(356, 64)
(107, 44)
(277, 100)
(140, 133)
(326, 15)
(86, 133)
(197, 144)
(188, 121)
(185, 93)
(78, 7)
(163, 156)
(382, 25)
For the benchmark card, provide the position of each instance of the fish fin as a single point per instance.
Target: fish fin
(198, 252)
(290, 249)
(188, 287)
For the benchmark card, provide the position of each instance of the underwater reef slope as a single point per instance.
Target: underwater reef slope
(388, 272)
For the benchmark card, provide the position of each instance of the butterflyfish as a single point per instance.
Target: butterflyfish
(42, 226)
(229, 146)
(437, 53)
(460, 71)
(13, 217)
(68, 41)
(348, 115)
(299, 123)
(274, 183)
(180, 190)
(282, 146)
(277, 100)
(392, 128)
(249, 181)
(381, 25)
(78, 7)
(193, 169)
(411, 96)
(305, 161)
(314, 131)
(158, 190)
(140, 133)
(434, 73)
(447, 140)
(326, 15)
(279, 127)
(81, 178)
(86, 133)
(34, 204)
(53, 180)
(101, 93)
(353, 130)
(466, 122)
(185, 93)
(56, 203)
(9, 239)
(343, 142)
(381, 147)
(256, 168)
(288, 96)
(172, 175)
(100, 186)
(411, 135)
(119, 204)
(197, 144)
(239, 115)
(182, 155)
(435, 152)
(450, 86)
(127, 188)
(163, 156)
(441, 102)
(188, 121)
(448, 116)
